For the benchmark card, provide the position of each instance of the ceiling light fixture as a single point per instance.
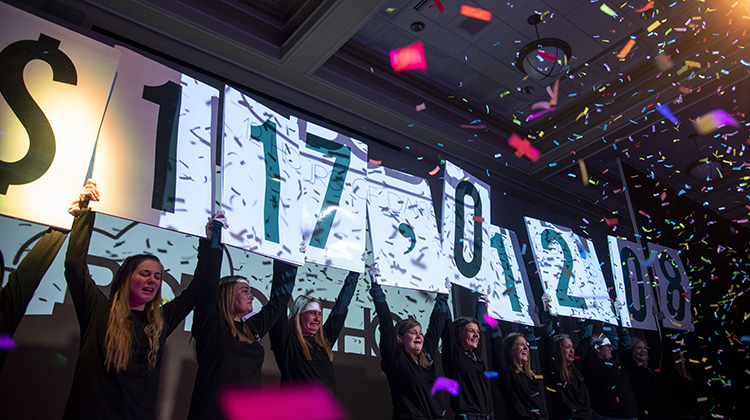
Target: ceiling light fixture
(545, 57)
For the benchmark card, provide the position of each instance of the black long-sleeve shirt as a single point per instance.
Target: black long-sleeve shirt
(23, 281)
(222, 358)
(646, 384)
(410, 384)
(99, 393)
(287, 350)
(468, 369)
(522, 395)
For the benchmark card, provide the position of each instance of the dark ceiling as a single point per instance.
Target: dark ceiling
(331, 58)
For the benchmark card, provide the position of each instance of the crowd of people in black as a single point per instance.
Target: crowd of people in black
(582, 374)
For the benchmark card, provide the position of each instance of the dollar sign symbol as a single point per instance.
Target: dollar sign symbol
(13, 60)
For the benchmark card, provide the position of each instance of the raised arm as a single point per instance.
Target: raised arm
(205, 308)
(435, 327)
(494, 338)
(281, 290)
(335, 322)
(24, 280)
(388, 345)
(450, 348)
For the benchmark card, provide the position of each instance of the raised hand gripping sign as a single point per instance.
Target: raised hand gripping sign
(509, 289)
(466, 221)
(570, 272)
(334, 180)
(403, 228)
(674, 288)
(153, 158)
(632, 284)
(261, 181)
(55, 85)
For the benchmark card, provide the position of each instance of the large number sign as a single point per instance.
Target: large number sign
(153, 158)
(674, 288)
(334, 180)
(54, 85)
(570, 272)
(632, 284)
(466, 221)
(261, 181)
(509, 291)
(403, 228)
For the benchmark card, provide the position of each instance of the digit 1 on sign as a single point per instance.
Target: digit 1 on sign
(674, 286)
(468, 269)
(549, 236)
(266, 134)
(168, 97)
(498, 243)
(342, 155)
(42, 147)
(626, 256)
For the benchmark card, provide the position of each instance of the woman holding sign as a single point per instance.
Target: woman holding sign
(302, 347)
(227, 338)
(122, 338)
(463, 342)
(406, 357)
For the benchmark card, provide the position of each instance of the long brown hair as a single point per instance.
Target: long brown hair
(294, 324)
(568, 371)
(119, 337)
(226, 307)
(458, 328)
(401, 328)
(508, 343)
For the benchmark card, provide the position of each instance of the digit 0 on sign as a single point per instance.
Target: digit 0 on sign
(342, 155)
(42, 147)
(675, 285)
(498, 243)
(468, 269)
(168, 97)
(549, 236)
(626, 256)
(266, 134)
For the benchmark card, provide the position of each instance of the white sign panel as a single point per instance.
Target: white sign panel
(54, 85)
(466, 221)
(334, 179)
(570, 272)
(631, 284)
(261, 181)
(403, 228)
(674, 288)
(153, 158)
(509, 289)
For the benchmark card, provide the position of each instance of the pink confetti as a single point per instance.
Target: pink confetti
(523, 147)
(289, 402)
(421, 107)
(492, 322)
(409, 58)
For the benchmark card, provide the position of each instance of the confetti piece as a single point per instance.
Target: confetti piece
(409, 58)
(646, 7)
(475, 127)
(653, 26)
(584, 112)
(475, 13)
(478, 219)
(444, 384)
(667, 113)
(608, 10)
(439, 5)
(612, 222)
(663, 63)
(421, 107)
(6, 342)
(713, 120)
(289, 402)
(434, 171)
(492, 322)
(626, 49)
(584, 172)
(523, 147)
(491, 374)
(693, 64)
(375, 162)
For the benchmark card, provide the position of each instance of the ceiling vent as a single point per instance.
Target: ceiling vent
(421, 5)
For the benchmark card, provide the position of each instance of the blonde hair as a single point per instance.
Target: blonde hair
(226, 308)
(401, 328)
(508, 343)
(568, 371)
(318, 337)
(119, 337)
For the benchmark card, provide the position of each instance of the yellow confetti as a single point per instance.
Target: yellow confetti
(584, 172)
(585, 111)
(653, 26)
(693, 64)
